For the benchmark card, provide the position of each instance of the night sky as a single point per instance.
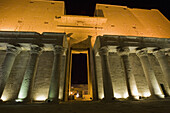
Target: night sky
(87, 7)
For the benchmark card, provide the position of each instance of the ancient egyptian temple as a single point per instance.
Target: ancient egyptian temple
(48, 56)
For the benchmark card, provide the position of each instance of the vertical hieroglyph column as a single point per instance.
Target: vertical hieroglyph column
(11, 53)
(149, 74)
(55, 77)
(130, 79)
(162, 59)
(108, 89)
(27, 83)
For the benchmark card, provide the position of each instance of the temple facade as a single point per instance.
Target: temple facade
(127, 51)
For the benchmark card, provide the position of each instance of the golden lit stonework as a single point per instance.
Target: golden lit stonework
(120, 53)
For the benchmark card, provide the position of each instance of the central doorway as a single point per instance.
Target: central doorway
(80, 84)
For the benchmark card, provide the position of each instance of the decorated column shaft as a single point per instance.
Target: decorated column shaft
(27, 83)
(55, 77)
(11, 53)
(149, 74)
(130, 79)
(62, 74)
(160, 55)
(108, 89)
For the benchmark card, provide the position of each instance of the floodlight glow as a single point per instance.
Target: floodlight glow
(136, 97)
(4, 98)
(125, 95)
(162, 96)
(19, 100)
(102, 96)
(41, 98)
(116, 95)
(146, 94)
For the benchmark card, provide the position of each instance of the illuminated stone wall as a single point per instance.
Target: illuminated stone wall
(122, 20)
(158, 72)
(27, 70)
(43, 76)
(2, 56)
(139, 75)
(16, 76)
(117, 76)
(49, 16)
(99, 77)
(136, 70)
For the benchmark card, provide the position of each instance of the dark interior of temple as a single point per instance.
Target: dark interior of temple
(79, 69)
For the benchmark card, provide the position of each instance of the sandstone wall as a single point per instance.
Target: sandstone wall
(117, 76)
(16, 76)
(99, 77)
(139, 75)
(43, 76)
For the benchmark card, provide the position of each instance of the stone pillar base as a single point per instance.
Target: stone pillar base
(56, 101)
(23, 100)
(107, 101)
(132, 98)
(155, 97)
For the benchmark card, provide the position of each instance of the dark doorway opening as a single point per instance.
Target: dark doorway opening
(79, 69)
(79, 90)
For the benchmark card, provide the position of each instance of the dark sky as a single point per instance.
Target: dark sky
(86, 7)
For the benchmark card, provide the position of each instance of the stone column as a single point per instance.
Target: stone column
(130, 79)
(108, 89)
(27, 83)
(62, 75)
(53, 95)
(149, 74)
(160, 55)
(93, 77)
(11, 53)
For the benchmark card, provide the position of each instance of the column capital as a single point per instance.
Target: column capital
(141, 52)
(58, 49)
(103, 51)
(35, 49)
(158, 53)
(123, 51)
(13, 49)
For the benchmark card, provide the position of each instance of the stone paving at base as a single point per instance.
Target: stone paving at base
(144, 106)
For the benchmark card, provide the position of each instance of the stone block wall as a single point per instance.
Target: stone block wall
(2, 56)
(14, 81)
(44, 70)
(158, 71)
(139, 75)
(99, 77)
(118, 76)
(43, 76)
